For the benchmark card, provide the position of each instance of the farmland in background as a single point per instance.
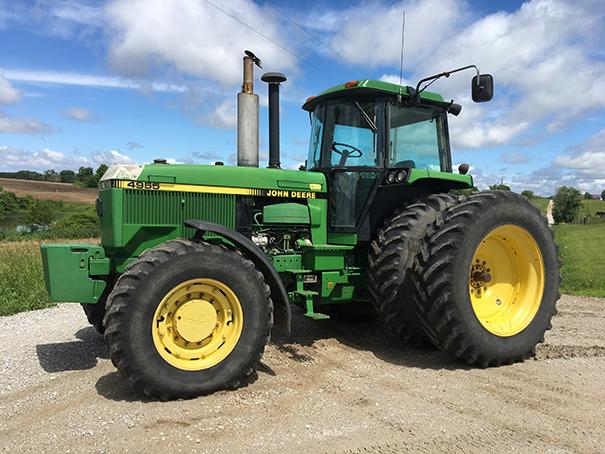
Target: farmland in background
(53, 191)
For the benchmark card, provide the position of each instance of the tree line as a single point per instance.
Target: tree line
(85, 177)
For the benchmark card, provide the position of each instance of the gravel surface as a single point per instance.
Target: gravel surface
(336, 388)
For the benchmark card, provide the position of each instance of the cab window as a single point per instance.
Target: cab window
(417, 138)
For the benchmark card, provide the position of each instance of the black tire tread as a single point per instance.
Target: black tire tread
(390, 258)
(432, 277)
(120, 301)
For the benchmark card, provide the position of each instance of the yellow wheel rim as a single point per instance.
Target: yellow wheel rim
(197, 324)
(506, 280)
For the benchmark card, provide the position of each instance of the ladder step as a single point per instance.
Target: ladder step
(306, 292)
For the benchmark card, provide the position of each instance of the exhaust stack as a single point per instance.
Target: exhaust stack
(247, 115)
(273, 79)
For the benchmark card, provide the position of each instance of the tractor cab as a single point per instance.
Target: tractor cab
(363, 138)
(369, 137)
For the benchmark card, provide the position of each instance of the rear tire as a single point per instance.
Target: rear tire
(487, 279)
(220, 295)
(391, 257)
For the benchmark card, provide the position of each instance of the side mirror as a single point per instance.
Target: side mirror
(482, 88)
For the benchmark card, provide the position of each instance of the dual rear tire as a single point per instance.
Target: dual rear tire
(479, 279)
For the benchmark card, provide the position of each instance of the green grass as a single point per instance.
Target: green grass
(21, 278)
(590, 207)
(541, 203)
(582, 250)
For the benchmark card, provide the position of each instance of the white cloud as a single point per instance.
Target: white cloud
(8, 93)
(23, 125)
(394, 79)
(224, 115)
(12, 159)
(582, 166)
(514, 157)
(80, 114)
(111, 157)
(133, 145)
(540, 55)
(90, 80)
(370, 33)
(192, 37)
(586, 160)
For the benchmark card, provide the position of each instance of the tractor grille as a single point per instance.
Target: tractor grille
(173, 208)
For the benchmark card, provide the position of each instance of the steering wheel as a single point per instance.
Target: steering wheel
(349, 152)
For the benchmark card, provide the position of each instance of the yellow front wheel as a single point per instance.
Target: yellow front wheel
(197, 324)
(188, 318)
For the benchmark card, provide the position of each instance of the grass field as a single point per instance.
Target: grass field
(53, 191)
(22, 287)
(541, 203)
(21, 278)
(582, 250)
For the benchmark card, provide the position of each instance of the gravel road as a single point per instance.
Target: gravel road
(335, 388)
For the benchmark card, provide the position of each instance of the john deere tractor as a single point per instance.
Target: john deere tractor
(197, 263)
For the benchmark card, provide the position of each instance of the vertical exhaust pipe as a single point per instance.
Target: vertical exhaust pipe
(247, 115)
(273, 79)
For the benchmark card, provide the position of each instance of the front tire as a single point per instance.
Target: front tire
(95, 313)
(188, 319)
(487, 279)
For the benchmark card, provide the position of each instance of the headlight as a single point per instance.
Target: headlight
(391, 177)
(400, 176)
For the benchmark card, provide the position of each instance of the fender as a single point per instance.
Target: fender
(282, 310)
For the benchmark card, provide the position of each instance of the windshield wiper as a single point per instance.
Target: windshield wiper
(367, 118)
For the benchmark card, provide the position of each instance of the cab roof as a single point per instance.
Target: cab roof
(369, 86)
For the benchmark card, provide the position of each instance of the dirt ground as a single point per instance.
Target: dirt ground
(335, 388)
(52, 191)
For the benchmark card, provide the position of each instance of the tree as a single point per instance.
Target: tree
(603, 195)
(51, 175)
(87, 177)
(100, 171)
(529, 194)
(587, 196)
(67, 176)
(499, 187)
(567, 202)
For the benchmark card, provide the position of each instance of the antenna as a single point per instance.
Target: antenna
(401, 62)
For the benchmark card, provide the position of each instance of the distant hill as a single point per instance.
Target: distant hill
(54, 191)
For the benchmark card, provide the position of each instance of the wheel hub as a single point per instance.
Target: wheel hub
(195, 320)
(479, 277)
(197, 324)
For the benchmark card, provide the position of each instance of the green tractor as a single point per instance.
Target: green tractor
(197, 263)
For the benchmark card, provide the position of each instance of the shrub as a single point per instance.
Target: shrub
(529, 194)
(8, 202)
(77, 225)
(567, 202)
(41, 212)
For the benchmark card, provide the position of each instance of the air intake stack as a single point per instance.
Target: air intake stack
(273, 79)
(247, 115)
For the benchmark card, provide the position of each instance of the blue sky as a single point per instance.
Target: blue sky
(85, 82)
